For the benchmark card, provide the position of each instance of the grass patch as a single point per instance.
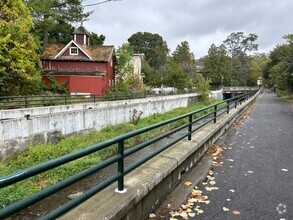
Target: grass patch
(290, 100)
(43, 152)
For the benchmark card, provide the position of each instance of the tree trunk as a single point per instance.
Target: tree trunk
(45, 36)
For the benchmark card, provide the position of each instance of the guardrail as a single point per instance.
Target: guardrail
(211, 113)
(240, 88)
(13, 102)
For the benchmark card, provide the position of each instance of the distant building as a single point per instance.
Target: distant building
(85, 69)
(136, 61)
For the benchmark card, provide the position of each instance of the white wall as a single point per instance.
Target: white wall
(21, 126)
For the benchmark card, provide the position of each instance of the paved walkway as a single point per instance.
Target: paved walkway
(256, 178)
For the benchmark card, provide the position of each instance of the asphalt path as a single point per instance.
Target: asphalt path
(256, 179)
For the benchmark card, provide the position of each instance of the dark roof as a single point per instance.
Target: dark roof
(81, 30)
(97, 53)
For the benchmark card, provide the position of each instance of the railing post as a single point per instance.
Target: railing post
(25, 102)
(65, 99)
(228, 106)
(215, 114)
(236, 103)
(120, 188)
(189, 127)
(94, 98)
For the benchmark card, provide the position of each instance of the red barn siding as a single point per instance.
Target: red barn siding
(82, 84)
(87, 84)
(76, 65)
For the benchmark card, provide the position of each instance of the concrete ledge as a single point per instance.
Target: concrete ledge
(152, 181)
(20, 127)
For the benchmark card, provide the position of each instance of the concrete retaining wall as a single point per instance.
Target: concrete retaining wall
(152, 181)
(20, 127)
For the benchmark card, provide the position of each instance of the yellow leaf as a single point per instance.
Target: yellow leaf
(188, 183)
(212, 182)
(183, 206)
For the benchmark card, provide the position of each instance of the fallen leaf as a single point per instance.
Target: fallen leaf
(184, 215)
(213, 182)
(191, 214)
(74, 195)
(207, 202)
(250, 171)
(285, 170)
(211, 188)
(199, 211)
(236, 212)
(195, 192)
(152, 215)
(230, 159)
(184, 207)
(232, 190)
(225, 209)
(210, 177)
(228, 200)
(199, 198)
(187, 183)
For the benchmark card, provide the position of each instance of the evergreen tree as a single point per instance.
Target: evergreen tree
(217, 66)
(49, 15)
(184, 58)
(237, 45)
(96, 40)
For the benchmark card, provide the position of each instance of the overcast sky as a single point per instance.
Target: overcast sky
(200, 22)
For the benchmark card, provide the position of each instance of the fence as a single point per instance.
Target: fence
(12, 102)
(190, 123)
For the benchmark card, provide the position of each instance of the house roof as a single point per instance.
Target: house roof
(81, 30)
(94, 53)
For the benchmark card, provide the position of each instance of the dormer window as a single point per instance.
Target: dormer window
(73, 51)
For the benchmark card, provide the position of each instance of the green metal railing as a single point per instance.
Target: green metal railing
(13, 102)
(211, 113)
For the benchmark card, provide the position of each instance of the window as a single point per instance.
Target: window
(73, 51)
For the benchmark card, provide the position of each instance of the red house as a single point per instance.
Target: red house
(85, 69)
